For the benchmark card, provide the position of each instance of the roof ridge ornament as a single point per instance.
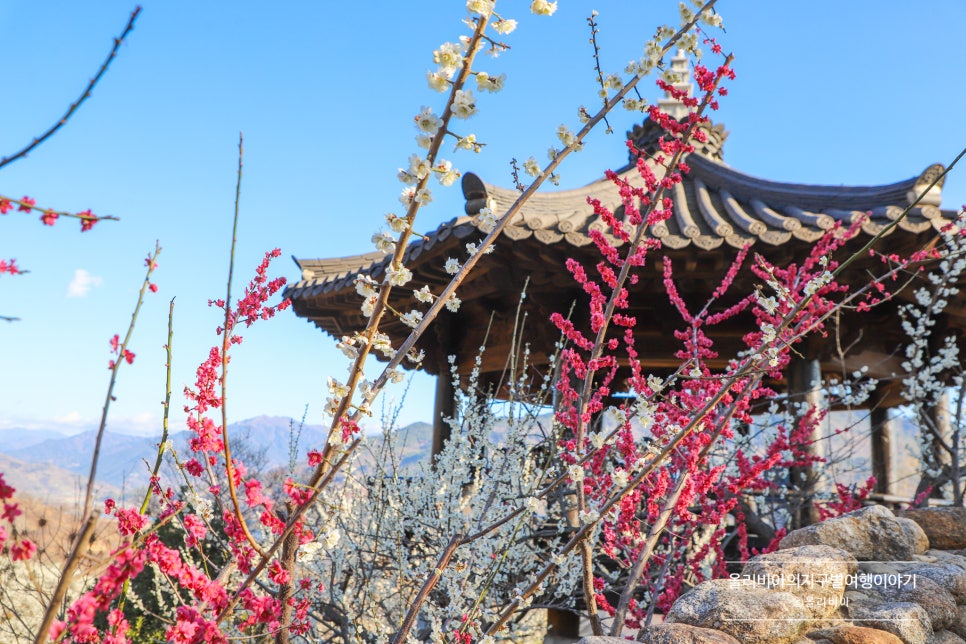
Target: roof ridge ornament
(679, 76)
(646, 136)
(933, 195)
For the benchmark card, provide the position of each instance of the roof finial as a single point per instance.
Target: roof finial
(681, 70)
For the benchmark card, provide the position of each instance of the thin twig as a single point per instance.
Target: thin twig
(121, 352)
(225, 344)
(76, 104)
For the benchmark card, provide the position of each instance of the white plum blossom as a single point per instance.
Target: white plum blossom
(568, 138)
(419, 166)
(446, 173)
(468, 142)
(424, 295)
(398, 276)
(452, 266)
(410, 195)
(531, 167)
(712, 19)
(437, 82)
(653, 50)
(347, 347)
(768, 304)
(597, 440)
(487, 83)
(687, 15)
(453, 303)
(543, 7)
(482, 7)
(366, 286)
(464, 104)
(817, 283)
(411, 319)
(406, 178)
(369, 306)
(634, 104)
(396, 224)
(384, 242)
(449, 57)
(486, 220)
(620, 478)
(337, 389)
(504, 26)
(428, 122)
(423, 196)
(382, 344)
(576, 472)
(331, 538)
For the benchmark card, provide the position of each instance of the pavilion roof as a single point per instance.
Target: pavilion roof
(717, 210)
(714, 206)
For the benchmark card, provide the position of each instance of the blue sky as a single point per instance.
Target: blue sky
(862, 92)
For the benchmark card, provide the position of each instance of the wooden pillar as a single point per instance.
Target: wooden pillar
(804, 378)
(561, 622)
(445, 404)
(936, 423)
(882, 423)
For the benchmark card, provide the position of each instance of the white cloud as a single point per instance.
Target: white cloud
(82, 283)
(70, 418)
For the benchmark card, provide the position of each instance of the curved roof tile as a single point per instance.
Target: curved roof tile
(714, 205)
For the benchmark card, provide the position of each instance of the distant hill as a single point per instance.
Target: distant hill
(17, 437)
(50, 465)
(48, 460)
(121, 455)
(48, 483)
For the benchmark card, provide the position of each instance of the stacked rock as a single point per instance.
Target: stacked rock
(867, 577)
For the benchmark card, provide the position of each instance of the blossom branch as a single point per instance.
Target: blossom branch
(225, 343)
(78, 547)
(115, 365)
(430, 583)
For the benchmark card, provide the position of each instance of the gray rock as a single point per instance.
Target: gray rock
(750, 614)
(852, 634)
(902, 583)
(817, 575)
(947, 637)
(908, 621)
(959, 624)
(872, 533)
(946, 569)
(683, 634)
(945, 527)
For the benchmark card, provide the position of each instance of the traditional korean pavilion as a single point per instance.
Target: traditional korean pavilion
(717, 211)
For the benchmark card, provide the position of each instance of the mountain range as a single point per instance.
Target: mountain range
(52, 466)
